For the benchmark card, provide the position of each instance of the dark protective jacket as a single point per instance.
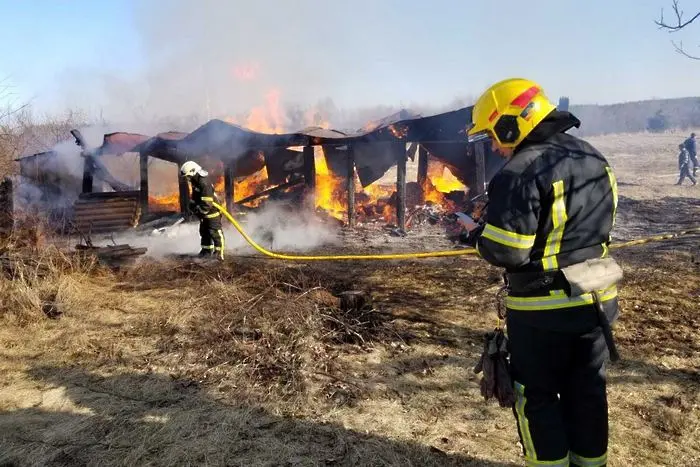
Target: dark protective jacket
(689, 144)
(683, 158)
(203, 195)
(552, 205)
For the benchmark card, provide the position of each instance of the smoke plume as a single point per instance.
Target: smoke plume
(272, 227)
(294, 64)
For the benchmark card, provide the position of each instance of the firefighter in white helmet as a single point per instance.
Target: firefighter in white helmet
(203, 194)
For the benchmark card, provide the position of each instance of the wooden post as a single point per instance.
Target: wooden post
(7, 207)
(184, 196)
(480, 166)
(88, 178)
(401, 186)
(143, 189)
(310, 173)
(351, 185)
(422, 165)
(228, 186)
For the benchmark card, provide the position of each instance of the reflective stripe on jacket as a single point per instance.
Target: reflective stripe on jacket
(552, 205)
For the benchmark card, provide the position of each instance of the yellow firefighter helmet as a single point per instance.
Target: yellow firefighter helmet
(508, 111)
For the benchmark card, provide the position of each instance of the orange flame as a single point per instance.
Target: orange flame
(268, 118)
(399, 132)
(251, 185)
(440, 181)
(329, 188)
(372, 202)
(164, 203)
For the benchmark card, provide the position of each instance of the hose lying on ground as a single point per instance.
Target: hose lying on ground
(428, 254)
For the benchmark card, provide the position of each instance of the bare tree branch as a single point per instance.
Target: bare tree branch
(676, 25)
(679, 22)
(679, 48)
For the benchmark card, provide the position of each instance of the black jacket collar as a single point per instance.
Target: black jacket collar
(556, 122)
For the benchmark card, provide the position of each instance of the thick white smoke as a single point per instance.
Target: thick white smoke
(273, 227)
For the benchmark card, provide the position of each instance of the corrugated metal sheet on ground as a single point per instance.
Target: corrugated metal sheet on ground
(106, 212)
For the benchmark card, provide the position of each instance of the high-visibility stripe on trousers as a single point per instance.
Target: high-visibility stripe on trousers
(212, 235)
(561, 402)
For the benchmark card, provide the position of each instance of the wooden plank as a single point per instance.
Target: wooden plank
(88, 178)
(124, 253)
(229, 187)
(101, 226)
(270, 190)
(143, 193)
(351, 185)
(310, 173)
(109, 195)
(7, 209)
(108, 216)
(124, 246)
(480, 163)
(401, 185)
(423, 160)
(106, 202)
(119, 208)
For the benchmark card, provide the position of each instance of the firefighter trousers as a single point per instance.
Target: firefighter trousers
(561, 404)
(212, 236)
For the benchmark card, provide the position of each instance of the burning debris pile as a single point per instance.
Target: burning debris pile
(344, 179)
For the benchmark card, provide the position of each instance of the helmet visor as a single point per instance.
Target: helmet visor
(478, 136)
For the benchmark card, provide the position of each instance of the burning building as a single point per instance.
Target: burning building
(337, 173)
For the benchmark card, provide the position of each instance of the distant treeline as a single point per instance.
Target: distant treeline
(656, 115)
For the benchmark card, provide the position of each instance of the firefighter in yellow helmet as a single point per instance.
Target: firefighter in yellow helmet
(551, 209)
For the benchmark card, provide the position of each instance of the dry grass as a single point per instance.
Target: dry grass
(252, 363)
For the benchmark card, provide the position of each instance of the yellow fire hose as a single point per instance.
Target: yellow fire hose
(428, 254)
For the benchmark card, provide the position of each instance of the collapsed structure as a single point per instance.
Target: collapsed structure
(290, 165)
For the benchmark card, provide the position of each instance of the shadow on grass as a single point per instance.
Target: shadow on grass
(138, 419)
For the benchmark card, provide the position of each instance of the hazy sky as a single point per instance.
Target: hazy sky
(182, 56)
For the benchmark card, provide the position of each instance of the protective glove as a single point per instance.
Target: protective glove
(466, 221)
(496, 381)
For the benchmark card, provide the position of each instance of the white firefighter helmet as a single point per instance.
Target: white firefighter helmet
(191, 168)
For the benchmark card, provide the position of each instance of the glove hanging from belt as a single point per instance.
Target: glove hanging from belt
(496, 381)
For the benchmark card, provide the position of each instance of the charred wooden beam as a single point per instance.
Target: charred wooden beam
(401, 186)
(351, 185)
(269, 191)
(115, 254)
(229, 186)
(112, 248)
(88, 175)
(143, 189)
(310, 172)
(94, 167)
(480, 165)
(79, 140)
(422, 165)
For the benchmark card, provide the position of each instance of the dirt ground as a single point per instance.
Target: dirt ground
(252, 362)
